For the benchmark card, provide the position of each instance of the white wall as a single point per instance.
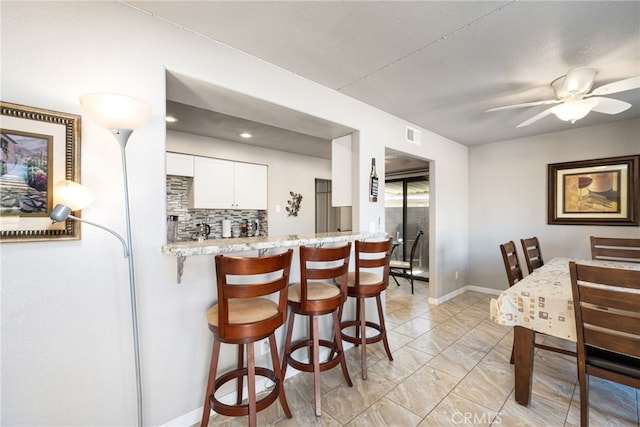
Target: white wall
(508, 195)
(66, 333)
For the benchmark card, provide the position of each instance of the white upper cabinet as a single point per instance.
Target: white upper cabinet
(179, 164)
(250, 185)
(223, 184)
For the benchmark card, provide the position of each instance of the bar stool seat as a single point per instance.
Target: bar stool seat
(244, 315)
(364, 283)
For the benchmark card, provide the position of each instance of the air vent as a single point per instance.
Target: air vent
(413, 135)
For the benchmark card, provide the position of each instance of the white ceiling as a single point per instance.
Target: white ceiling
(439, 65)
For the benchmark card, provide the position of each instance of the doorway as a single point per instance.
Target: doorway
(407, 213)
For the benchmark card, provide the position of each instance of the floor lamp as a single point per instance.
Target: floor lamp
(121, 115)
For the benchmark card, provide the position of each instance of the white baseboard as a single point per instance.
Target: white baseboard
(462, 290)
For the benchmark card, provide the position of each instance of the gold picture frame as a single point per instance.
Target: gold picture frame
(594, 192)
(38, 148)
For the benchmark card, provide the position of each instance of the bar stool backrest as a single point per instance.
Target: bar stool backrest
(330, 264)
(243, 278)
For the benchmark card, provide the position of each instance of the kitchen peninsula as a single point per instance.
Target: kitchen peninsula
(182, 250)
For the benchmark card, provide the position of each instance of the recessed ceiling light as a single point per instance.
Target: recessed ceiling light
(170, 119)
(246, 135)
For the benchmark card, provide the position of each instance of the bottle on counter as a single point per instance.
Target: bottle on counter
(244, 228)
(373, 182)
(172, 228)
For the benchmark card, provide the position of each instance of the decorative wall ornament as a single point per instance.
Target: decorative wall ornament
(294, 203)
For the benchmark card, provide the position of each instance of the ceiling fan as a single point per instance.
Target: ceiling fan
(574, 99)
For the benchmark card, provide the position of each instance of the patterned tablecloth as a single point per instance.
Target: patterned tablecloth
(542, 301)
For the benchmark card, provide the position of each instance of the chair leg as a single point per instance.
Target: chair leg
(206, 411)
(583, 380)
(363, 337)
(394, 278)
(411, 279)
(251, 380)
(338, 341)
(358, 317)
(278, 373)
(240, 380)
(383, 328)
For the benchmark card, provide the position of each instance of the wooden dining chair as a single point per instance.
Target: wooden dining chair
(607, 308)
(369, 280)
(322, 290)
(615, 249)
(405, 268)
(511, 262)
(532, 253)
(244, 315)
(514, 275)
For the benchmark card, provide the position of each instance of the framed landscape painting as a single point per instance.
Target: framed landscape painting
(37, 149)
(594, 192)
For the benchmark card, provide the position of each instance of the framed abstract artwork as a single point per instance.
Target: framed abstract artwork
(594, 192)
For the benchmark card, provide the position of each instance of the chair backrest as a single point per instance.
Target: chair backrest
(532, 253)
(416, 242)
(615, 249)
(606, 306)
(243, 278)
(511, 262)
(330, 264)
(373, 255)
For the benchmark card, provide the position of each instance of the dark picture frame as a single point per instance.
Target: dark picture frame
(38, 148)
(594, 192)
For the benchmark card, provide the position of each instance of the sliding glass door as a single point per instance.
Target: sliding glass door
(407, 213)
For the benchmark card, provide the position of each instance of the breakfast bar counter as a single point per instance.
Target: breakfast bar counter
(181, 250)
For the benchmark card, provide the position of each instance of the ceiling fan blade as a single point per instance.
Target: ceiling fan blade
(578, 80)
(619, 86)
(610, 105)
(526, 104)
(536, 117)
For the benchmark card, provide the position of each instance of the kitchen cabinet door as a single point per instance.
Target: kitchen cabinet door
(212, 186)
(179, 164)
(250, 186)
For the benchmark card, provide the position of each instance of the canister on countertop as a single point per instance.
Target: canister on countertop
(172, 228)
(226, 228)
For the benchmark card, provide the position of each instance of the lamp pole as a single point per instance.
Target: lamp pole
(122, 135)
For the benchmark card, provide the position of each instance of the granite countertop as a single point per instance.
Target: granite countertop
(219, 246)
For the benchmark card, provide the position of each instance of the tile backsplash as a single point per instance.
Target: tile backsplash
(178, 204)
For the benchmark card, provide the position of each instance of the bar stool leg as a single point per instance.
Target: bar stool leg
(316, 363)
(206, 411)
(287, 347)
(280, 375)
(251, 379)
(338, 341)
(240, 380)
(363, 336)
(383, 328)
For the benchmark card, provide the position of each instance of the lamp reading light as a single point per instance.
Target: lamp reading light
(122, 115)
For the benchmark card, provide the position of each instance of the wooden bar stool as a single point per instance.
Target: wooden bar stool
(365, 283)
(242, 316)
(322, 290)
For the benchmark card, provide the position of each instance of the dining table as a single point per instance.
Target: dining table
(541, 302)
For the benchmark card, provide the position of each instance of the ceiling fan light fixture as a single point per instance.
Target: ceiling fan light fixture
(575, 110)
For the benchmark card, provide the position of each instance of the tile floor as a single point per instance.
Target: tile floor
(451, 367)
